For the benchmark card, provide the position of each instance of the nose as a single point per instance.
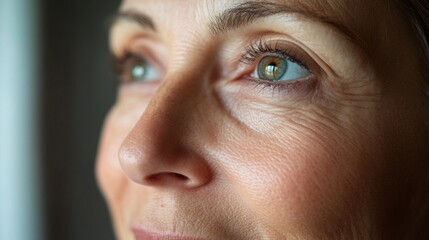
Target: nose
(158, 152)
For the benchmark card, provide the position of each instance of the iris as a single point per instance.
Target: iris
(277, 68)
(272, 68)
(138, 71)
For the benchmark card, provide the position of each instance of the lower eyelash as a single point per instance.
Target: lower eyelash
(281, 88)
(263, 86)
(273, 87)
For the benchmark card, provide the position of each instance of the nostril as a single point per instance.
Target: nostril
(167, 178)
(180, 176)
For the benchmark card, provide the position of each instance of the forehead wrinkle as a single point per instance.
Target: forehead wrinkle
(246, 12)
(319, 8)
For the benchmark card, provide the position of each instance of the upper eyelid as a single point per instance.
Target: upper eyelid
(250, 11)
(262, 46)
(125, 34)
(119, 62)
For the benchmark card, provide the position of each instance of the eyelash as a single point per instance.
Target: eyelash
(121, 64)
(261, 47)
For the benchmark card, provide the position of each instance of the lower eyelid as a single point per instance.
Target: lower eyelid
(280, 89)
(140, 89)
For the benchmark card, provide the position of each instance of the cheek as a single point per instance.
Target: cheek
(110, 177)
(310, 188)
(119, 122)
(108, 170)
(302, 176)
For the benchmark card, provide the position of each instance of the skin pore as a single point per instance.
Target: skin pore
(201, 147)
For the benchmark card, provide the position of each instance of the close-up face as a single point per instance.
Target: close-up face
(283, 119)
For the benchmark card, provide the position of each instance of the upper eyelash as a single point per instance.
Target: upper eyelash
(261, 46)
(119, 63)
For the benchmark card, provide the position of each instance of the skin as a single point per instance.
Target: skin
(202, 152)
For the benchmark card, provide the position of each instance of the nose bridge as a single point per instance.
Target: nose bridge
(171, 110)
(156, 152)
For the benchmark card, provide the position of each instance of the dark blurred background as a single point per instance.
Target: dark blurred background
(78, 88)
(75, 89)
(56, 87)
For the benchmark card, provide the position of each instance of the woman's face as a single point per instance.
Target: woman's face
(262, 120)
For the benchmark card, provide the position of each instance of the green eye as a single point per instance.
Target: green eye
(138, 71)
(143, 71)
(272, 68)
(275, 68)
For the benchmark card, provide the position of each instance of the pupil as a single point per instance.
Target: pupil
(272, 70)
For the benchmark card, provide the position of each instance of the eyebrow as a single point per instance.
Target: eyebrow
(133, 16)
(250, 11)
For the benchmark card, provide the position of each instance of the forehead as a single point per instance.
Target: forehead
(348, 11)
(363, 18)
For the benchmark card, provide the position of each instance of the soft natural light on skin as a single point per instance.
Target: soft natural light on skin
(20, 213)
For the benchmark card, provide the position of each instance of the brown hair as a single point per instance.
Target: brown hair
(418, 12)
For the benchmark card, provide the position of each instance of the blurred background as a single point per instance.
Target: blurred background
(56, 86)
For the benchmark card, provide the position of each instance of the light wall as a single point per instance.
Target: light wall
(20, 204)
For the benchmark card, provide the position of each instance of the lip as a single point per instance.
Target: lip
(142, 234)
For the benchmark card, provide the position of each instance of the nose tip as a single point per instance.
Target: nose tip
(167, 169)
(163, 149)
